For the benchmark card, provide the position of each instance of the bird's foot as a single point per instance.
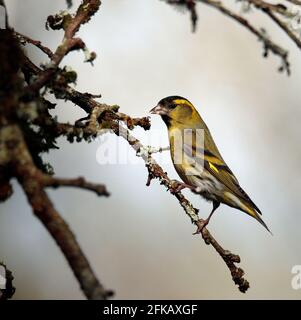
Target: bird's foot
(201, 224)
(177, 186)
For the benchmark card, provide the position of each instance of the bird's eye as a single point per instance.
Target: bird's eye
(172, 106)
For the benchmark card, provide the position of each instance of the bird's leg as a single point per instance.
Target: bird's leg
(203, 223)
(177, 186)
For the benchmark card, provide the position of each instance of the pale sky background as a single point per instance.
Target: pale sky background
(139, 241)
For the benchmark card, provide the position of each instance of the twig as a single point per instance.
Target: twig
(70, 25)
(190, 6)
(280, 8)
(33, 183)
(268, 44)
(133, 122)
(285, 28)
(148, 150)
(155, 171)
(16, 160)
(102, 116)
(296, 2)
(103, 113)
(36, 43)
(80, 182)
(87, 103)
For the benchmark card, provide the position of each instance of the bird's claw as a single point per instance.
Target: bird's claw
(177, 186)
(201, 224)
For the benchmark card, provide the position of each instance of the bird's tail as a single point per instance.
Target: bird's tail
(250, 210)
(245, 205)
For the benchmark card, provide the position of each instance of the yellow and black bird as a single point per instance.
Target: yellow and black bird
(199, 163)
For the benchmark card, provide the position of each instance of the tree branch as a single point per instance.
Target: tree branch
(70, 25)
(296, 2)
(18, 160)
(33, 182)
(24, 39)
(155, 171)
(273, 11)
(190, 5)
(102, 116)
(284, 27)
(267, 43)
(80, 182)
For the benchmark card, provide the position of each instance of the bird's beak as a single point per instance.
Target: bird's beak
(160, 110)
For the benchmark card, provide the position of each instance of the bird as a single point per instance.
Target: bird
(198, 161)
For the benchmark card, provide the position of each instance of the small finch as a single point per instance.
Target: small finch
(200, 165)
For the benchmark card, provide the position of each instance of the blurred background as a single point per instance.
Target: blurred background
(139, 240)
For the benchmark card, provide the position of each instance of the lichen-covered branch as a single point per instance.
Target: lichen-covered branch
(71, 25)
(155, 171)
(27, 128)
(288, 19)
(33, 182)
(268, 44)
(285, 27)
(20, 148)
(102, 116)
(279, 13)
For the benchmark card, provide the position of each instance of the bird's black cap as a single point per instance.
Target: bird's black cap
(170, 99)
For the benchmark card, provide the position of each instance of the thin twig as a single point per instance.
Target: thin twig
(36, 43)
(80, 182)
(71, 25)
(33, 182)
(285, 28)
(296, 2)
(102, 116)
(262, 36)
(190, 5)
(155, 171)
(16, 160)
(268, 44)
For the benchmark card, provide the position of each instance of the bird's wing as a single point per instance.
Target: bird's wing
(223, 174)
(216, 166)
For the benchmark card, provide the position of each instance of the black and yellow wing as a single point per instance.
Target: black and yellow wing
(212, 161)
